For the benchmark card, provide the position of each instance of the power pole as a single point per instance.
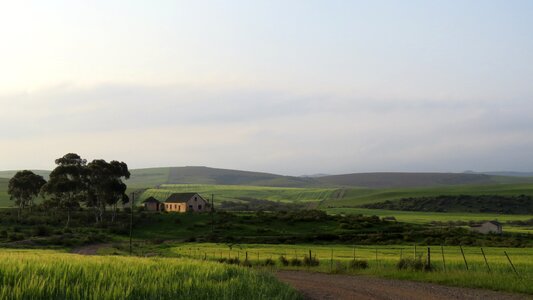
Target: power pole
(212, 213)
(131, 219)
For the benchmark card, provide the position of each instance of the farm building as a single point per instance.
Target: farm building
(488, 227)
(183, 202)
(152, 204)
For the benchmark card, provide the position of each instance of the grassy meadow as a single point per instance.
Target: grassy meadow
(382, 261)
(52, 275)
(239, 192)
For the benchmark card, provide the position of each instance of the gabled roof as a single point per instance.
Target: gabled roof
(495, 223)
(151, 199)
(180, 197)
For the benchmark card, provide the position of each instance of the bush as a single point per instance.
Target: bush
(3, 234)
(42, 230)
(246, 263)
(411, 264)
(284, 261)
(358, 264)
(13, 237)
(311, 261)
(233, 261)
(269, 262)
(295, 262)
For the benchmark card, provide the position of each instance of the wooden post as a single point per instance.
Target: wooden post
(401, 253)
(414, 253)
(464, 258)
(429, 259)
(443, 260)
(354, 253)
(377, 262)
(485, 258)
(331, 261)
(511, 263)
(246, 256)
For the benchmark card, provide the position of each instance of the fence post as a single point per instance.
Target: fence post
(377, 262)
(484, 257)
(331, 262)
(414, 253)
(354, 253)
(464, 258)
(246, 256)
(511, 263)
(443, 260)
(401, 253)
(429, 258)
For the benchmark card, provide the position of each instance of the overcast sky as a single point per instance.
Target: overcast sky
(290, 87)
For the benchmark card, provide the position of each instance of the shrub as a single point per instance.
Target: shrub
(269, 262)
(42, 230)
(284, 261)
(410, 264)
(246, 263)
(310, 261)
(13, 237)
(358, 264)
(233, 261)
(295, 262)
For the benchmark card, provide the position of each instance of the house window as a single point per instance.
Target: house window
(199, 207)
(190, 206)
(195, 198)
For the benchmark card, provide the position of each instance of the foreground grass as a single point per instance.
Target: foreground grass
(52, 275)
(382, 261)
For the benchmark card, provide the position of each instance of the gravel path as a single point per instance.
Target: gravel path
(89, 249)
(327, 286)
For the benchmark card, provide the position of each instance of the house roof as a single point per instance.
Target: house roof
(495, 223)
(180, 197)
(151, 199)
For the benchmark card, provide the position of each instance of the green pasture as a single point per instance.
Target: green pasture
(382, 260)
(359, 196)
(240, 192)
(48, 275)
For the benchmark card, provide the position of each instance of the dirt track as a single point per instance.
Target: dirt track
(326, 286)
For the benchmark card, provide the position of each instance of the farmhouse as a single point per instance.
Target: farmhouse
(488, 227)
(152, 204)
(183, 202)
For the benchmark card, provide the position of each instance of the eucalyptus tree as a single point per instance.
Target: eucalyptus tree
(23, 188)
(67, 186)
(106, 187)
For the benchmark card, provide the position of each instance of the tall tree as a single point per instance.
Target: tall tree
(24, 187)
(106, 187)
(67, 185)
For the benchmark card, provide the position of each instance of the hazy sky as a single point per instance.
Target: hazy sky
(291, 87)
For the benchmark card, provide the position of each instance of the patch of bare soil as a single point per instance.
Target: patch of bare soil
(89, 249)
(327, 286)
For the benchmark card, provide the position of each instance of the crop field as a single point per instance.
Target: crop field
(497, 273)
(239, 192)
(358, 196)
(39, 274)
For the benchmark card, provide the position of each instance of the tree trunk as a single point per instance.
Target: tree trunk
(68, 217)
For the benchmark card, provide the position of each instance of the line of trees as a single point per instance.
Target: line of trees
(74, 183)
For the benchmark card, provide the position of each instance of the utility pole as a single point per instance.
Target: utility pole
(131, 219)
(212, 213)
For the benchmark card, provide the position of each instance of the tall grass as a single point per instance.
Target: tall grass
(46, 275)
(383, 260)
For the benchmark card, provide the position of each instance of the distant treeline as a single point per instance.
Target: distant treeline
(521, 204)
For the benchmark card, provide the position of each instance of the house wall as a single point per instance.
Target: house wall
(197, 204)
(176, 207)
(151, 206)
(487, 228)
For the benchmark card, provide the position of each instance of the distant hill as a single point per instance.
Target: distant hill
(10, 173)
(150, 177)
(507, 173)
(205, 175)
(396, 180)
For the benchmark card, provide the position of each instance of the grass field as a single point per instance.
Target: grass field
(236, 192)
(358, 196)
(50, 275)
(382, 262)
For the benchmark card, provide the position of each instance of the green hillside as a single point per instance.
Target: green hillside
(240, 193)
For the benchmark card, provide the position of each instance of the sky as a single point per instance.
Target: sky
(288, 87)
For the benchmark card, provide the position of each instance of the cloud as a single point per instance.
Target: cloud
(263, 130)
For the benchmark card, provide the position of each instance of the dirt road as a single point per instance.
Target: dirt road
(89, 249)
(326, 286)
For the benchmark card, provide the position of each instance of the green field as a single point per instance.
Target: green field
(41, 274)
(354, 197)
(382, 262)
(237, 192)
